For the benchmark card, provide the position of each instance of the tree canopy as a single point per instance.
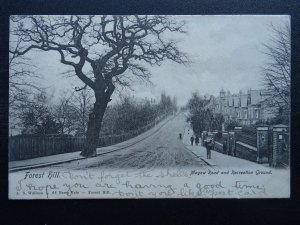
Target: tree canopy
(110, 45)
(277, 71)
(201, 117)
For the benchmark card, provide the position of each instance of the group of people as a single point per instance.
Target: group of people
(196, 139)
(208, 142)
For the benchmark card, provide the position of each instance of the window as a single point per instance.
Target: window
(245, 114)
(256, 113)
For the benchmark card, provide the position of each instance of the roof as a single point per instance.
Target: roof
(244, 98)
(230, 100)
(255, 97)
(236, 101)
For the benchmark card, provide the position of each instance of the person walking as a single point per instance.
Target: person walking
(197, 140)
(180, 136)
(192, 140)
(209, 146)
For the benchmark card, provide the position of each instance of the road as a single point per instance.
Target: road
(162, 149)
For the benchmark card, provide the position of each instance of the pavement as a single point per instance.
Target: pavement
(74, 156)
(218, 160)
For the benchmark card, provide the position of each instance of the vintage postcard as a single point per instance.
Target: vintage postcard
(141, 106)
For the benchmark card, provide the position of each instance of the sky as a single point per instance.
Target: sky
(225, 52)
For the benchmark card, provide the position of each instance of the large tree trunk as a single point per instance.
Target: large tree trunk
(94, 127)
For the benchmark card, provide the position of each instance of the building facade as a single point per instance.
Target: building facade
(142, 101)
(245, 108)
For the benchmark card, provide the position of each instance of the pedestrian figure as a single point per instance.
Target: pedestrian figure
(180, 136)
(192, 140)
(197, 140)
(209, 146)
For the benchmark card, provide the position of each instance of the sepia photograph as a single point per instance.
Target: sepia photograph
(149, 106)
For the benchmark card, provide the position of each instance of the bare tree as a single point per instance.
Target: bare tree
(109, 45)
(65, 114)
(277, 72)
(71, 111)
(21, 86)
(37, 116)
(82, 103)
(21, 77)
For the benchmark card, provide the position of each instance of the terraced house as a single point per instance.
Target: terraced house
(246, 108)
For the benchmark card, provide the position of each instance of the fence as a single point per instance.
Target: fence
(247, 139)
(248, 135)
(260, 144)
(31, 146)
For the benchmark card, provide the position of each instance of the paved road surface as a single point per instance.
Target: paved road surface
(161, 150)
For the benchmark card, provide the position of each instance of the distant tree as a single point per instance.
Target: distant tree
(109, 45)
(128, 115)
(66, 115)
(37, 117)
(231, 124)
(109, 121)
(277, 72)
(196, 103)
(21, 79)
(217, 121)
(165, 102)
(21, 86)
(174, 104)
(200, 117)
(183, 108)
(146, 113)
(82, 103)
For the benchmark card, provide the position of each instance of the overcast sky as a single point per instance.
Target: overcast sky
(226, 52)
